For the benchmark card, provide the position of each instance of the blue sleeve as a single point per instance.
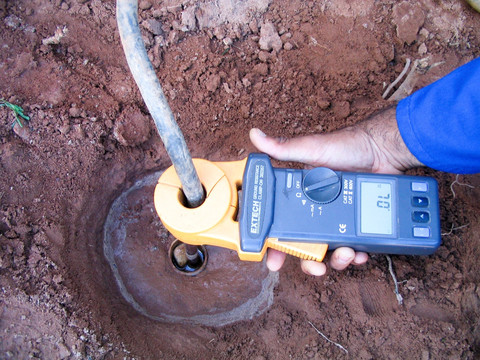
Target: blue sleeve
(440, 124)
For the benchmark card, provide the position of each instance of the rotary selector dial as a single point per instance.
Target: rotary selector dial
(322, 185)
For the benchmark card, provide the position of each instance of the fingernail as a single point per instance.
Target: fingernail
(313, 269)
(344, 259)
(315, 272)
(260, 132)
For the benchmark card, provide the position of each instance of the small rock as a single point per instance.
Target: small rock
(269, 38)
(310, 354)
(74, 112)
(341, 109)
(35, 256)
(237, 32)
(11, 234)
(286, 36)
(425, 355)
(298, 130)
(227, 89)
(131, 128)
(57, 278)
(23, 229)
(173, 37)
(188, 19)
(424, 33)
(145, 4)
(213, 82)
(288, 46)
(78, 132)
(409, 18)
(55, 39)
(64, 129)
(282, 31)
(172, 7)
(323, 104)
(158, 13)
(63, 351)
(219, 33)
(261, 69)
(253, 25)
(160, 40)
(177, 26)
(422, 49)
(13, 21)
(245, 111)
(154, 26)
(263, 56)
(246, 82)
(22, 131)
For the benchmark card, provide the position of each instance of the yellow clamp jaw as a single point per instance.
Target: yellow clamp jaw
(214, 222)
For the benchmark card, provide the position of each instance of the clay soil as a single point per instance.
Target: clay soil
(290, 68)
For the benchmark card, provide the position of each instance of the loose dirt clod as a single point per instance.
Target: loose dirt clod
(269, 38)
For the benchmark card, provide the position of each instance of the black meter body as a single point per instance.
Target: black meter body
(378, 213)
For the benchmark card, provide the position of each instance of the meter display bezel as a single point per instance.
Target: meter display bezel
(394, 205)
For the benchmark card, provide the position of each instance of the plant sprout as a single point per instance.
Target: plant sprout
(18, 111)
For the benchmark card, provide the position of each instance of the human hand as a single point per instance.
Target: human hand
(374, 145)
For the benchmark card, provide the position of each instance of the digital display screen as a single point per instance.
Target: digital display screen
(376, 212)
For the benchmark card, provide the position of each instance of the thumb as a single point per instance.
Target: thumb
(303, 149)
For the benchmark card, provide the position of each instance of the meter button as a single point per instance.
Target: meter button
(419, 186)
(423, 232)
(421, 216)
(289, 179)
(419, 201)
(322, 185)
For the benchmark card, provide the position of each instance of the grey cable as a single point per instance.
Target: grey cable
(152, 93)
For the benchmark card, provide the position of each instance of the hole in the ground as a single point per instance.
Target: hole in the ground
(184, 261)
(136, 245)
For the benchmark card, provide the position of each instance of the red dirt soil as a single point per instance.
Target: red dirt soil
(288, 67)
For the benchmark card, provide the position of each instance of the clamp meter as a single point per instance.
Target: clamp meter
(302, 212)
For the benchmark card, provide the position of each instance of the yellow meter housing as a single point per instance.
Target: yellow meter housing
(214, 222)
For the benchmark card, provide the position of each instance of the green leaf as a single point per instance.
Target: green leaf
(18, 111)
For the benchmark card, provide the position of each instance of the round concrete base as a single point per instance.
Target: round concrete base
(136, 246)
